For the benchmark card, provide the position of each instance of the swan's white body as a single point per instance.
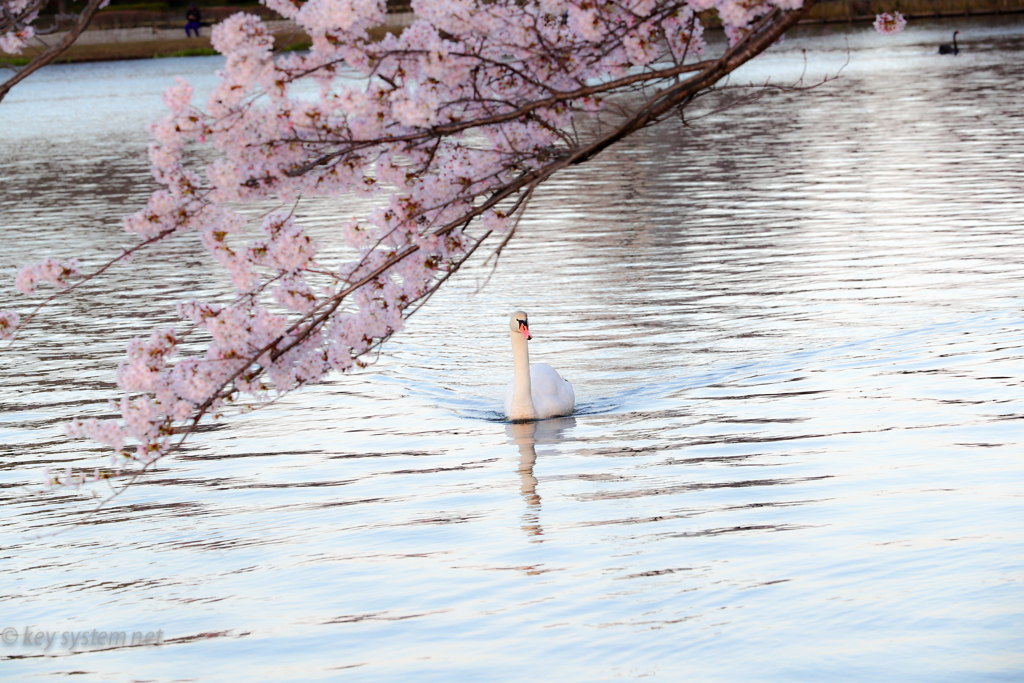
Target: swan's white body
(536, 392)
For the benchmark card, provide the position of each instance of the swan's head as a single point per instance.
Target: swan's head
(519, 324)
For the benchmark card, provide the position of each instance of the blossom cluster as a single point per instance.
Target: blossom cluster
(890, 24)
(49, 270)
(8, 324)
(16, 17)
(12, 42)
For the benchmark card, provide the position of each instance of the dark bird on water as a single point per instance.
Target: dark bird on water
(950, 49)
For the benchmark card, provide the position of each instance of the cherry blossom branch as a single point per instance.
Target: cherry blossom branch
(455, 125)
(661, 103)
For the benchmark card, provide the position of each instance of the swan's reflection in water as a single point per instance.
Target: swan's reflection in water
(527, 436)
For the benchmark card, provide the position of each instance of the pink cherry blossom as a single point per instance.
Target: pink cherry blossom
(890, 24)
(48, 270)
(13, 42)
(8, 324)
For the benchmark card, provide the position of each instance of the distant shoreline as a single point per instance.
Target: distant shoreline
(101, 45)
(912, 16)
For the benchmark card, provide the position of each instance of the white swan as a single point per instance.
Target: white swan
(536, 392)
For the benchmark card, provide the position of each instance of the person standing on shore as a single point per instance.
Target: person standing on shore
(192, 19)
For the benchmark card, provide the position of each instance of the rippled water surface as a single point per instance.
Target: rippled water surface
(794, 327)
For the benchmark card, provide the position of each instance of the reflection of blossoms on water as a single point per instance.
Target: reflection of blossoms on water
(890, 24)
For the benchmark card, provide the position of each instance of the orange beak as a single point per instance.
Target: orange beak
(526, 331)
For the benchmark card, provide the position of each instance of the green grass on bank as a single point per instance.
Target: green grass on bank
(191, 52)
(209, 51)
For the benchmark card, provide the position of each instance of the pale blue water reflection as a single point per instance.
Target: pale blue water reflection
(795, 332)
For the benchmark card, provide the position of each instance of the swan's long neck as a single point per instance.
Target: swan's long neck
(522, 392)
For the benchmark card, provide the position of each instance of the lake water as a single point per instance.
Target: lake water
(794, 328)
